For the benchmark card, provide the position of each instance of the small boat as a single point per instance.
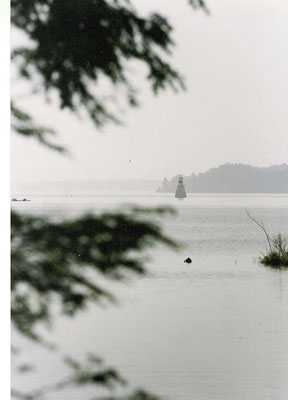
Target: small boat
(180, 191)
(14, 199)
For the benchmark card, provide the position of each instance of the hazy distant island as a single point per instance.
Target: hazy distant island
(233, 178)
(83, 187)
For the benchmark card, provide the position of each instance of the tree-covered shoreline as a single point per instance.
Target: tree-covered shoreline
(233, 178)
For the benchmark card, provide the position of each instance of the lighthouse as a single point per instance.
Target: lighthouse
(180, 191)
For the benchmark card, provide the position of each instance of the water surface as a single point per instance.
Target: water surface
(214, 329)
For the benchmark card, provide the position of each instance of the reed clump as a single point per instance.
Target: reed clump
(277, 254)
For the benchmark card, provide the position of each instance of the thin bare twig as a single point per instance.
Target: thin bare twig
(261, 225)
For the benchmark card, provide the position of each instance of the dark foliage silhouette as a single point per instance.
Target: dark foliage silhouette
(23, 124)
(77, 45)
(73, 47)
(59, 263)
(59, 259)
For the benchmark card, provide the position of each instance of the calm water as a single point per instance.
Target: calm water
(214, 329)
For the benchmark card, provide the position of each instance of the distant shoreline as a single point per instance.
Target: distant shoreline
(225, 179)
(233, 178)
(146, 194)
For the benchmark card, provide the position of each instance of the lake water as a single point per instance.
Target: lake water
(213, 329)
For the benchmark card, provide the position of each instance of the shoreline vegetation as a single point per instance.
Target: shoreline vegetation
(233, 178)
(277, 254)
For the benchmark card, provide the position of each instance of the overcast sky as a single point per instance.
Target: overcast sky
(235, 64)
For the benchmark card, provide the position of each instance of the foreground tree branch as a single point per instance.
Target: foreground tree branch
(75, 46)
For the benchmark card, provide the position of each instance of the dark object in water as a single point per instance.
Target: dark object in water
(180, 191)
(20, 199)
(188, 260)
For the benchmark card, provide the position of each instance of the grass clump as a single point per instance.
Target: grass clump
(277, 255)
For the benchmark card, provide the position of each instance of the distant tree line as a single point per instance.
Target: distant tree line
(234, 178)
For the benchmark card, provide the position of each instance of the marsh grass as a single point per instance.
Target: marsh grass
(277, 255)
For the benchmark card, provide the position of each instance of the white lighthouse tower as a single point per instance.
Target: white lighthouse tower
(180, 191)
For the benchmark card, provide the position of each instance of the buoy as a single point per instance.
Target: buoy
(180, 191)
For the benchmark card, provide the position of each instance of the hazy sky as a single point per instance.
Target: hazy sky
(235, 63)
